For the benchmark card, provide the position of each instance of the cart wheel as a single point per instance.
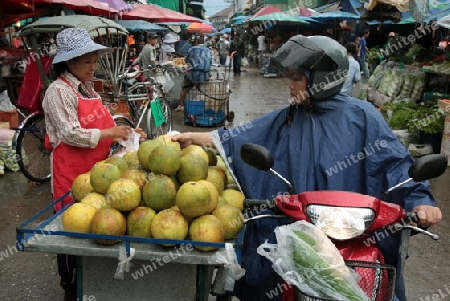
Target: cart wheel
(230, 116)
(32, 156)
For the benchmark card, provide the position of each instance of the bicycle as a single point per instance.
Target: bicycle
(146, 99)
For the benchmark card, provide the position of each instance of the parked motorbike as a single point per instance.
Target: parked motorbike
(351, 220)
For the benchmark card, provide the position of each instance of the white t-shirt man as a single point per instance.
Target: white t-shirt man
(261, 43)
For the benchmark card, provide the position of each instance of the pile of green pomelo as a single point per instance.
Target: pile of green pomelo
(158, 191)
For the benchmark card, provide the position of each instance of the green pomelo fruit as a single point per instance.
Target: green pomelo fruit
(193, 199)
(78, 217)
(139, 222)
(131, 157)
(192, 168)
(195, 149)
(231, 218)
(124, 194)
(81, 186)
(96, 200)
(144, 151)
(102, 175)
(214, 194)
(118, 161)
(207, 228)
(108, 221)
(218, 177)
(136, 175)
(164, 159)
(169, 224)
(167, 140)
(159, 192)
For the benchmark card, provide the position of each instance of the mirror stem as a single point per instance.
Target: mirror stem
(290, 188)
(386, 194)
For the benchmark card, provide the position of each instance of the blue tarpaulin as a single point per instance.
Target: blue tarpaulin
(140, 25)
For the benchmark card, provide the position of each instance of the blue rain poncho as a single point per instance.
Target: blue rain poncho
(337, 144)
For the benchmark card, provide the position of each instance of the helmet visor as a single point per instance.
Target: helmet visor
(301, 53)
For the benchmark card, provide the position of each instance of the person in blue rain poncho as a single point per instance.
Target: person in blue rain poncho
(315, 142)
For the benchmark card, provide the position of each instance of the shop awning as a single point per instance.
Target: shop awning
(119, 5)
(89, 7)
(265, 11)
(154, 13)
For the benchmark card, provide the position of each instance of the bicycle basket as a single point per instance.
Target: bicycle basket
(206, 103)
(377, 281)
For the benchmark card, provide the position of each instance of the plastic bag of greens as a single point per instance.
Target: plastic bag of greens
(305, 257)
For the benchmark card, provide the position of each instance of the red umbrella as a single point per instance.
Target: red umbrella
(87, 6)
(266, 10)
(200, 28)
(155, 13)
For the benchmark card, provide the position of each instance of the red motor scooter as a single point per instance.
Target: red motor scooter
(351, 220)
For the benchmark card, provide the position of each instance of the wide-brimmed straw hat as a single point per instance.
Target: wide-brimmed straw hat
(392, 34)
(74, 42)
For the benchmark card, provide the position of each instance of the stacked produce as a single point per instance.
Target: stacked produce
(399, 84)
(158, 191)
(443, 68)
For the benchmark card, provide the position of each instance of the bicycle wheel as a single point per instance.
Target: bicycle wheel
(154, 131)
(32, 157)
(121, 120)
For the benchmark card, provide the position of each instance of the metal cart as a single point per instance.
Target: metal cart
(164, 273)
(208, 104)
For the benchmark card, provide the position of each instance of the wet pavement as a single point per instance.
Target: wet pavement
(33, 276)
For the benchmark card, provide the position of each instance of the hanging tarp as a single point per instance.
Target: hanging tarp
(401, 5)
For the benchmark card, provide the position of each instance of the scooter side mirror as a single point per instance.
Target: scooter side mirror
(256, 156)
(428, 167)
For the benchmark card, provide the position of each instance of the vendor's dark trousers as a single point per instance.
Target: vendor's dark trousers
(67, 269)
(223, 60)
(237, 63)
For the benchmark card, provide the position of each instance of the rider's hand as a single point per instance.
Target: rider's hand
(428, 215)
(185, 139)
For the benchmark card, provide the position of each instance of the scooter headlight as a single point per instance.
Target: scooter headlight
(340, 222)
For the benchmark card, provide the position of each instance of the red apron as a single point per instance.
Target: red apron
(69, 161)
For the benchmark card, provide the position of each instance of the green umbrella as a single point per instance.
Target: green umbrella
(410, 20)
(278, 17)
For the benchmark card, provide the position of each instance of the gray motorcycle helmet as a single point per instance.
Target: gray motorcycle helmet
(324, 57)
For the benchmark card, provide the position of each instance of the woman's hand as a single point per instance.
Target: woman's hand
(116, 132)
(142, 133)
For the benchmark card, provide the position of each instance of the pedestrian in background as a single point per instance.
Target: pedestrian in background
(148, 55)
(237, 48)
(363, 50)
(199, 60)
(354, 72)
(223, 47)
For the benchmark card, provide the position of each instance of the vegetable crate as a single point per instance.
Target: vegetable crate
(207, 104)
(377, 281)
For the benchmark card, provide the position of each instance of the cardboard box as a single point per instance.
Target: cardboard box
(11, 117)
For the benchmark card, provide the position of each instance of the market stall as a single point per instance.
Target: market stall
(132, 269)
(407, 87)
